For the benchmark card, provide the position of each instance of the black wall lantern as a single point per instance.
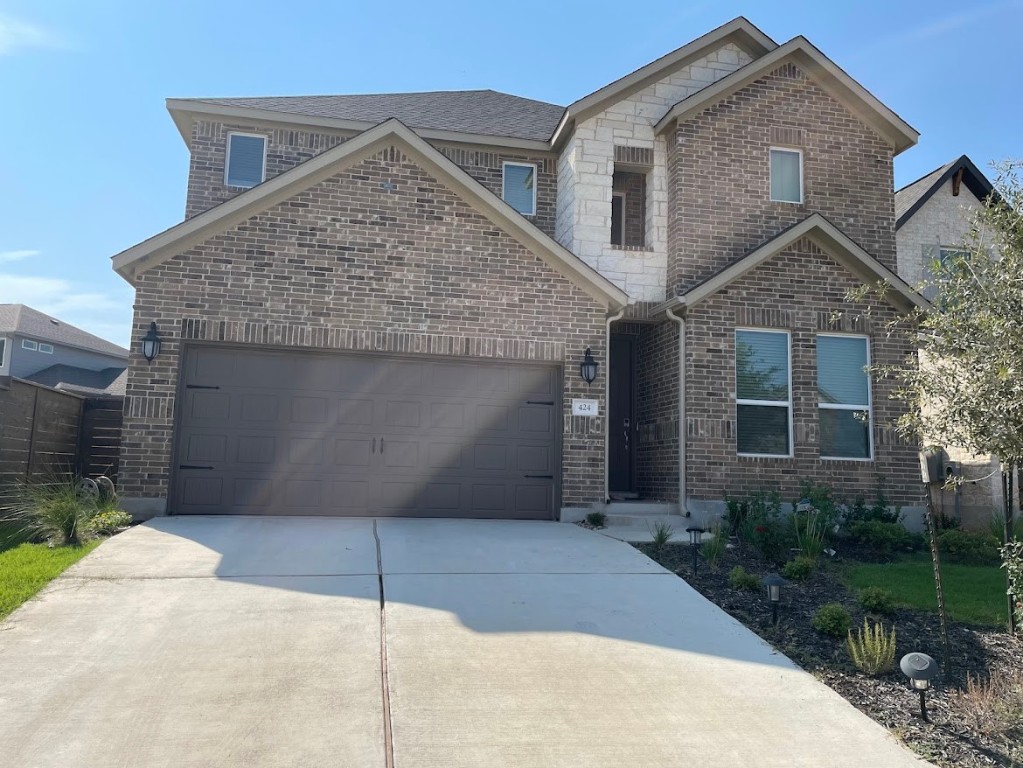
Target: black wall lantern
(151, 343)
(588, 367)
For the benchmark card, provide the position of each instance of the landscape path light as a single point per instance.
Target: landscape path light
(695, 539)
(920, 669)
(774, 583)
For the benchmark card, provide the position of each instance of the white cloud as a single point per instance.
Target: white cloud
(107, 315)
(17, 35)
(7, 257)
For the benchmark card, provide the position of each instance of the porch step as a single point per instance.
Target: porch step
(640, 528)
(641, 508)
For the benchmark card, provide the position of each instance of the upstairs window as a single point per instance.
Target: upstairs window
(947, 258)
(519, 187)
(29, 345)
(617, 219)
(246, 160)
(843, 389)
(786, 175)
(46, 349)
(763, 395)
(3, 351)
(628, 208)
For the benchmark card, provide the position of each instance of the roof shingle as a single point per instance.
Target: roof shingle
(489, 113)
(25, 321)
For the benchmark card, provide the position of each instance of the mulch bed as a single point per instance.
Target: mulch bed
(978, 651)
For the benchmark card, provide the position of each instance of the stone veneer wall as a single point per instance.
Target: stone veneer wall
(586, 165)
(287, 147)
(798, 290)
(719, 174)
(349, 265)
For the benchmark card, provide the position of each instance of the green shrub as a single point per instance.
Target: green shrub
(109, 521)
(832, 619)
(877, 600)
(821, 498)
(799, 569)
(1012, 562)
(773, 538)
(871, 650)
(597, 519)
(968, 547)
(714, 547)
(48, 508)
(661, 534)
(879, 511)
(882, 536)
(741, 579)
(998, 526)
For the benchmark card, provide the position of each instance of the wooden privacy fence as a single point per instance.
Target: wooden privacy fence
(44, 431)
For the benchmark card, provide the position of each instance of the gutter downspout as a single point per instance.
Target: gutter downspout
(607, 392)
(682, 504)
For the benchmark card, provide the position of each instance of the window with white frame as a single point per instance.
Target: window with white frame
(3, 352)
(29, 344)
(946, 257)
(786, 175)
(519, 187)
(843, 389)
(763, 393)
(46, 349)
(246, 160)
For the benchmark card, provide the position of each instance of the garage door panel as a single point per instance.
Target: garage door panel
(257, 449)
(309, 410)
(259, 407)
(347, 434)
(352, 451)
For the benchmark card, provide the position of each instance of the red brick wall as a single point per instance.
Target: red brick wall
(719, 176)
(657, 412)
(348, 264)
(798, 290)
(287, 148)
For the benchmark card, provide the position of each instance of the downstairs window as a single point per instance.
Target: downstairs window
(843, 389)
(763, 395)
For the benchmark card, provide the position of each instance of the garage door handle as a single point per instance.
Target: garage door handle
(194, 466)
(539, 402)
(200, 386)
(541, 477)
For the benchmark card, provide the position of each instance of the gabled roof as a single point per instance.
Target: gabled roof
(823, 71)
(189, 233)
(82, 381)
(739, 31)
(912, 197)
(22, 320)
(831, 239)
(463, 113)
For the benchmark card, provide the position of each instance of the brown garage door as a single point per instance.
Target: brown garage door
(298, 433)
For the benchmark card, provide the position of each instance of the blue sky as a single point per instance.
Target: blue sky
(92, 164)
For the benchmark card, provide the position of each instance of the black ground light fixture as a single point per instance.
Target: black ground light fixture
(919, 668)
(151, 343)
(588, 367)
(774, 583)
(695, 539)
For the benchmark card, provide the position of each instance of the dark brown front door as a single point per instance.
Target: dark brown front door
(621, 416)
(300, 433)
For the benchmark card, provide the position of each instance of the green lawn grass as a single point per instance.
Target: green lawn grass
(27, 568)
(973, 593)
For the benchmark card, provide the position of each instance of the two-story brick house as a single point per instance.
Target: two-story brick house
(382, 304)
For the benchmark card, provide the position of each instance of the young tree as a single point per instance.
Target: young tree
(967, 390)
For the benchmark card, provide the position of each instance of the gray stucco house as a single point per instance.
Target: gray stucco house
(43, 349)
(387, 304)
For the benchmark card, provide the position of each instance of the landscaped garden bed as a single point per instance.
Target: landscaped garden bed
(971, 723)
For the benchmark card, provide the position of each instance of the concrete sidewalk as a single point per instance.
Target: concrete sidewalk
(257, 642)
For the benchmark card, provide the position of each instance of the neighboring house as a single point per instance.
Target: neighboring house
(40, 348)
(933, 219)
(380, 304)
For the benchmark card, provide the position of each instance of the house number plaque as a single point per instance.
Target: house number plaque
(585, 407)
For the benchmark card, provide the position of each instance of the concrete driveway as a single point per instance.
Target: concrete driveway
(268, 642)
